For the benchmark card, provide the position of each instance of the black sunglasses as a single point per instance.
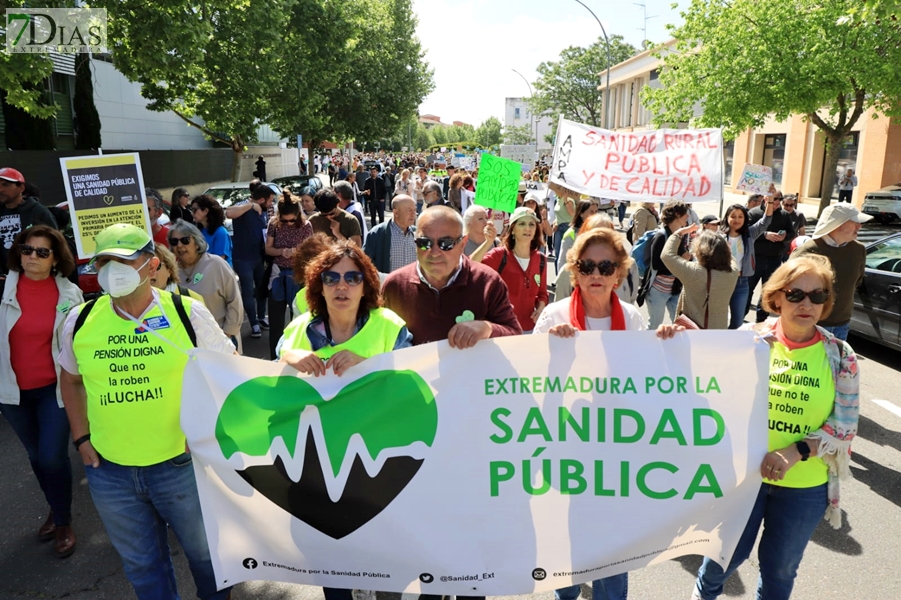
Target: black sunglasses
(287, 221)
(331, 278)
(27, 250)
(605, 267)
(816, 296)
(445, 244)
(184, 241)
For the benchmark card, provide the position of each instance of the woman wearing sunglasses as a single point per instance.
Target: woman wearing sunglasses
(598, 264)
(708, 281)
(346, 323)
(36, 300)
(286, 232)
(813, 413)
(522, 267)
(210, 276)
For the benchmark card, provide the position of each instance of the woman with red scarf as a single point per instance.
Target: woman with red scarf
(598, 263)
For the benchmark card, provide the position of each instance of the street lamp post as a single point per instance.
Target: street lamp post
(531, 112)
(607, 42)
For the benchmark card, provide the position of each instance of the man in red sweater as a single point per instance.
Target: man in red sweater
(444, 295)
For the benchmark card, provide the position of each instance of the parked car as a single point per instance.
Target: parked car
(231, 193)
(877, 303)
(296, 183)
(884, 204)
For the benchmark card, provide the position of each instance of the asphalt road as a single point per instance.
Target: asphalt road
(859, 560)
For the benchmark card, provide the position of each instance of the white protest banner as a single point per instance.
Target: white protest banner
(102, 191)
(755, 179)
(681, 164)
(520, 465)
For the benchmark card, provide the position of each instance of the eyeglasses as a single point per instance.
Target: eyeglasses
(195, 208)
(816, 296)
(184, 241)
(788, 204)
(27, 250)
(605, 267)
(331, 278)
(445, 244)
(287, 221)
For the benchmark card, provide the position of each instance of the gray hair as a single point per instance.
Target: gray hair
(344, 190)
(431, 186)
(182, 229)
(156, 195)
(470, 214)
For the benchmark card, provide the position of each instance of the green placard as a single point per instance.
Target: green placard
(498, 183)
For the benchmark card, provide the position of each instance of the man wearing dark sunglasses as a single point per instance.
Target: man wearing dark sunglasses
(17, 212)
(444, 295)
(770, 248)
(835, 237)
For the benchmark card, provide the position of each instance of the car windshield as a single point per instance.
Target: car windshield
(886, 255)
(228, 196)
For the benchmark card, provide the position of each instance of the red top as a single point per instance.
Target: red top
(476, 294)
(161, 237)
(31, 338)
(526, 288)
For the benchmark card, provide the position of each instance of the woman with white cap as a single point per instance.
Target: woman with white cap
(835, 237)
(522, 267)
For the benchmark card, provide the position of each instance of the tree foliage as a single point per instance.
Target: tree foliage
(744, 60)
(522, 134)
(489, 132)
(569, 85)
(22, 75)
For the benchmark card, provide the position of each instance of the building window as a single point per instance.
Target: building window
(728, 153)
(654, 75)
(516, 113)
(774, 155)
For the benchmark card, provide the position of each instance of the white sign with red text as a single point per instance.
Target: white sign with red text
(680, 164)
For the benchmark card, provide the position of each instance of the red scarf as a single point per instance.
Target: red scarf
(577, 312)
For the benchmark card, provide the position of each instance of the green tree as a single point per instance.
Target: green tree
(214, 63)
(745, 60)
(489, 132)
(423, 137)
(519, 135)
(569, 86)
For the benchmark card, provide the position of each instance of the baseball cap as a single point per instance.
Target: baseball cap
(523, 212)
(123, 240)
(835, 216)
(534, 197)
(709, 219)
(10, 174)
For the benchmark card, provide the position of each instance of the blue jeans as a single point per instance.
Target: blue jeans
(658, 302)
(621, 212)
(765, 267)
(137, 506)
(839, 331)
(250, 277)
(558, 239)
(615, 587)
(789, 517)
(43, 429)
(738, 304)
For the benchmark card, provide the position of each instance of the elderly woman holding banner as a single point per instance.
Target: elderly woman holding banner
(811, 428)
(598, 263)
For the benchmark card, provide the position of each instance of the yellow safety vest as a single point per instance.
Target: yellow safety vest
(133, 382)
(377, 336)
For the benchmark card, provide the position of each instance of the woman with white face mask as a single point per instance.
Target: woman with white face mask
(208, 275)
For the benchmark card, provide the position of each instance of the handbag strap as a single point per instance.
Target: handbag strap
(707, 302)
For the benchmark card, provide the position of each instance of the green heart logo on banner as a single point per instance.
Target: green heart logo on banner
(108, 200)
(386, 409)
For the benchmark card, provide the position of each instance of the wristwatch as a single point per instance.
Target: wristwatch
(803, 449)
